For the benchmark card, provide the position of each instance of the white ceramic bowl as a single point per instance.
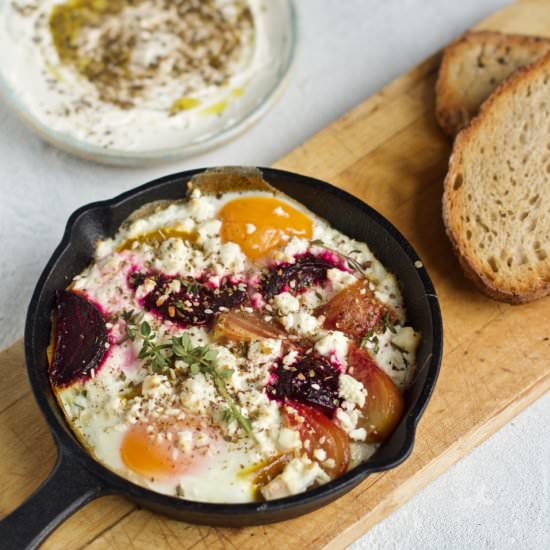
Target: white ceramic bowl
(262, 90)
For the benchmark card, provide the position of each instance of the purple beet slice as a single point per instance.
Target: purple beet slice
(193, 303)
(80, 339)
(307, 271)
(311, 380)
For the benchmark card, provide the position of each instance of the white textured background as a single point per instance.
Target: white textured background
(498, 497)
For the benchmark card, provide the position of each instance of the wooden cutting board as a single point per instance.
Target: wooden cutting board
(389, 152)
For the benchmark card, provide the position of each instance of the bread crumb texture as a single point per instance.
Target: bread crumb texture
(473, 66)
(496, 203)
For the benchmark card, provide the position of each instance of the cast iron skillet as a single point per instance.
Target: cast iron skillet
(77, 478)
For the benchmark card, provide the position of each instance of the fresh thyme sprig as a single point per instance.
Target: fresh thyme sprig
(370, 338)
(132, 320)
(199, 359)
(354, 264)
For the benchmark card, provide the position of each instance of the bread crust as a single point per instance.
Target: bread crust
(471, 266)
(452, 113)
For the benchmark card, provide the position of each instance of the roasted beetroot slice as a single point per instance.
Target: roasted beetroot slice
(307, 271)
(312, 380)
(80, 339)
(194, 304)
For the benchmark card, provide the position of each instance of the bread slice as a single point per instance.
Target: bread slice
(496, 200)
(473, 66)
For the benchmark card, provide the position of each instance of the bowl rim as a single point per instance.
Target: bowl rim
(119, 157)
(114, 483)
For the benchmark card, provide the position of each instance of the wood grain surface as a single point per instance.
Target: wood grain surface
(389, 152)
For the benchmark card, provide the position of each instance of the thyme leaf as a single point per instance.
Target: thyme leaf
(199, 359)
(370, 338)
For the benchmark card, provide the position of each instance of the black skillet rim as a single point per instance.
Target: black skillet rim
(115, 484)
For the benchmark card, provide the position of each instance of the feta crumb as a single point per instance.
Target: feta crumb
(174, 286)
(298, 475)
(172, 256)
(334, 342)
(320, 454)
(301, 323)
(266, 351)
(295, 247)
(187, 225)
(231, 257)
(286, 303)
(156, 386)
(209, 229)
(201, 208)
(250, 228)
(289, 439)
(359, 434)
(351, 390)
(198, 393)
(340, 279)
(290, 358)
(145, 288)
(313, 298)
(347, 420)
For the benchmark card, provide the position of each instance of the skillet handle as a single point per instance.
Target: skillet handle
(68, 487)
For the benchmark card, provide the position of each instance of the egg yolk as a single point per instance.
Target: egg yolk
(142, 453)
(260, 224)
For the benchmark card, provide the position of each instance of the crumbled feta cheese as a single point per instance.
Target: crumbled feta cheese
(313, 298)
(289, 439)
(351, 390)
(359, 434)
(320, 454)
(295, 247)
(145, 288)
(290, 358)
(174, 286)
(333, 343)
(232, 258)
(298, 475)
(286, 303)
(201, 208)
(209, 229)
(250, 228)
(347, 420)
(187, 225)
(301, 323)
(359, 452)
(172, 256)
(198, 393)
(340, 279)
(156, 386)
(263, 352)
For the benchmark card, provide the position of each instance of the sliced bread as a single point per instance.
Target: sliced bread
(473, 66)
(496, 200)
